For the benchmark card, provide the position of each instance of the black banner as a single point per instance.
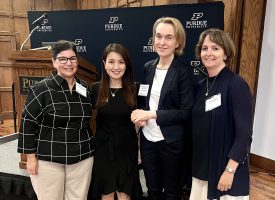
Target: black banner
(92, 30)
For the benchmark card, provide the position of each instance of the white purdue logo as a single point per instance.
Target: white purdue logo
(195, 23)
(113, 25)
(79, 48)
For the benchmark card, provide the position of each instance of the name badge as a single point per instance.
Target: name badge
(143, 90)
(81, 90)
(213, 102)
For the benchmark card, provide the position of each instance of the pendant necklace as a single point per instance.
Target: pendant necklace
(113, 93)
(208, 89)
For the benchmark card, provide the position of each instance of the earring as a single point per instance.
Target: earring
(224, 58)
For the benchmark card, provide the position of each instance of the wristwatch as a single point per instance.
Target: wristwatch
(230, 170)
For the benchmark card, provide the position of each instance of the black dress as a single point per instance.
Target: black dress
(116, 144)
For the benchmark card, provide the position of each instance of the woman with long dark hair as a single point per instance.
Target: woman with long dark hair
(116, 157)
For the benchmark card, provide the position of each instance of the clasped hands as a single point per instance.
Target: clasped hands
(139, 117)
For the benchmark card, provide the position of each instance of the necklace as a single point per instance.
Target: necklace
(208, 89)
(113, 93)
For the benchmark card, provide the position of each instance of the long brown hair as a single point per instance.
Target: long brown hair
(128, 84)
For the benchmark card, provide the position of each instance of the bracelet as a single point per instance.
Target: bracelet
(230, 170)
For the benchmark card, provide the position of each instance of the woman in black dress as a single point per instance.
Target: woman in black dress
(116, 155)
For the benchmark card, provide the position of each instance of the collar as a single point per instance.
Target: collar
(59, 79)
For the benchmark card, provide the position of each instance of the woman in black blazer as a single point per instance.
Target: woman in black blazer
(169, 98)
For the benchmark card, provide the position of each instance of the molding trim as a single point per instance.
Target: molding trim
(262, 162)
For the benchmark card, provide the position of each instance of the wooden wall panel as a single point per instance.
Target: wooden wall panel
(20, 7)
(5, 89)
(5, 7)
(147, 3)
(182, 1)
(104, 3)
(7, 44)
(122, 3)
(42, 5)
(232, 25)
(86, 4)
(64, 5)
(59, 5)
(250, 44)
(113, 3)
(6, 23)
(97, 4)
(161, 2)
(134, 4)
(20, 20)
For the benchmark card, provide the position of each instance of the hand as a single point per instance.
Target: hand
(141, 123)
(142, 115)
(225, 182)
(32, 164)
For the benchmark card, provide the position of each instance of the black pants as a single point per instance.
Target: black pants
(162, 165)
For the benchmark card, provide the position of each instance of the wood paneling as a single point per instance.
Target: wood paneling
(98, 4)
(64, 5)
(251, 40)
(6, 23)
(182, 1)
(42, 5)
(147, 3)
(5, 7)
(161, 2)
(104, 3)
(232, 25)
(22, 27)
(122, 3)
(113, 3)
(7, 44)
(20, 7)
(134, 4)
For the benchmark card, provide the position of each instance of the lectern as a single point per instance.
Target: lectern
(38, 63)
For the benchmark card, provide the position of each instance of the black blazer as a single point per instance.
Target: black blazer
(176, 98)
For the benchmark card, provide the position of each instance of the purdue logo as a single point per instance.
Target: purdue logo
(113, 19)
(80, 48)
(78, 41)
(196, 16)
(45, 21)
(113, 24)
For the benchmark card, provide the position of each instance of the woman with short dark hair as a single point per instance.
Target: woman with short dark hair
(55, 133)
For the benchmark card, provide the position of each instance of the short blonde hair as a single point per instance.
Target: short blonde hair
(179, 32)
(220, 38)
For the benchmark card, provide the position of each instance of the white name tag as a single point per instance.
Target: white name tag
(143, 90)
(213, 102)
(81, 90)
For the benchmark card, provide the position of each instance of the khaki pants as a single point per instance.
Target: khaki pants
(199, 191)
(62, 182)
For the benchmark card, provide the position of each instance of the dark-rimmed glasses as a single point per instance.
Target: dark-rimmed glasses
(64, 60)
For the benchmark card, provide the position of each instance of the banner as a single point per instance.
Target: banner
(92, 30)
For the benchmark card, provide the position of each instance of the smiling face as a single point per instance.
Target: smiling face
(68, 69)
(212, 55)
(165, 41)
(115, 66)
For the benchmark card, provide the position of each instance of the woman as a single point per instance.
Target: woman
(168, 107)
(116, 157)
(222, 124)
(55, 133)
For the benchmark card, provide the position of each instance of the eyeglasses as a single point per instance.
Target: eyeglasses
(64, 60)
